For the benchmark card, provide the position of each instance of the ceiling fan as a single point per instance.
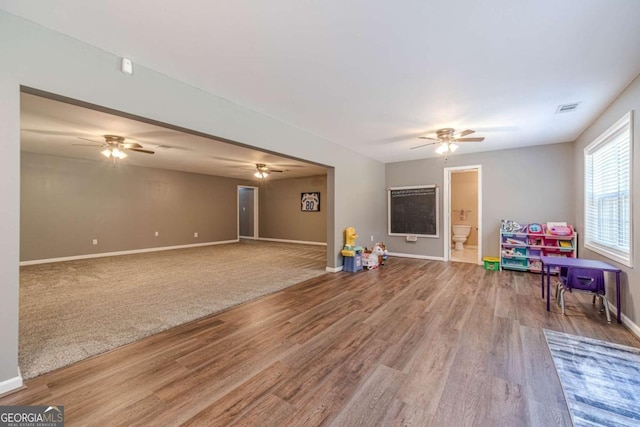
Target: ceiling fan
(262, 171)
(447, 137)
(115, 147)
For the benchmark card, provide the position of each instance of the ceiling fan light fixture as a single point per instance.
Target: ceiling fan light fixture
(261, 174)
(446, 147)
(118, 154)
(114, 153)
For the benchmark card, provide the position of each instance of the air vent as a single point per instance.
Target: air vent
(567, 108)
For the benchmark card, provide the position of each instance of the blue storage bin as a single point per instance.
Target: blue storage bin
(353, 263)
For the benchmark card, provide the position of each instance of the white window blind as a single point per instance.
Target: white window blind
(608, 192)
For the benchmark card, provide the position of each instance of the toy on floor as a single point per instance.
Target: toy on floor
(372, 259)
(350, 247)
(382, 257)
(351, 252)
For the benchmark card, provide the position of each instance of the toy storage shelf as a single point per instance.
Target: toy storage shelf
(521, 251)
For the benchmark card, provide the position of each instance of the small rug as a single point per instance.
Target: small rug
(600, 380)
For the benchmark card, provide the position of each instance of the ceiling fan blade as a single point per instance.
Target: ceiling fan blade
(424, 145)
(274, 170)
(479, 139)
(139, 150)
(464, 133)
(130, 145)
(91, 140)
(428, 139)
(227, 159)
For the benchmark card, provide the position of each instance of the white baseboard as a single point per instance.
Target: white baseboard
(334, 269)
(134, 251)
(247, 237)
(300, 242)
(635, 329)
(433, 258)
(11, 384)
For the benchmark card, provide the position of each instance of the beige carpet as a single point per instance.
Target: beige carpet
(76, 309)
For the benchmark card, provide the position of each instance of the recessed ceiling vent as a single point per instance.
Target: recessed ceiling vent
(567, 108)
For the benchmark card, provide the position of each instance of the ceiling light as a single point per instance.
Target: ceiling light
(261, 175)
(118, 154)
(446, 147)
(114, 153)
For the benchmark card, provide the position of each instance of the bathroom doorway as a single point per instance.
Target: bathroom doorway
(463, 204)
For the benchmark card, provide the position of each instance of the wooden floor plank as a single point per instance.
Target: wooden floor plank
(412, 343)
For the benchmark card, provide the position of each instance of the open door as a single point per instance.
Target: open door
(247, 212)
(463, 209)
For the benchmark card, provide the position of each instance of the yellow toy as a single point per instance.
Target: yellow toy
(350, 247)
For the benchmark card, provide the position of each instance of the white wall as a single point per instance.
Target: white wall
(35, 57)
(630, 289)
(532, 184)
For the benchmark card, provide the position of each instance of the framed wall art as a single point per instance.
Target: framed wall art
(310, 202)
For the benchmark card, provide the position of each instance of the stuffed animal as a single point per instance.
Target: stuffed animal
(369, 260)
(382, 257)
(373, 259)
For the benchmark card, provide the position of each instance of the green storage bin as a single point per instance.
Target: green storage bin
(491, 263)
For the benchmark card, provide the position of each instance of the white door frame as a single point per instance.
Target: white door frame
(447, 207)
(255, 211)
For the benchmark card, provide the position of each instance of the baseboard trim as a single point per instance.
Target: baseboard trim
(11, 385)
(334, 269)
(427, 257)
(300, 242)
(635, 329)
(118, 253)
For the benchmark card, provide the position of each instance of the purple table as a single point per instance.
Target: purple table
(552, 261)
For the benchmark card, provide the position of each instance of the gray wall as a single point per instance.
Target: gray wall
(628, 100)
(531, 184)
(66, 203)
(46, 60)
(246, 206)
(280, 213)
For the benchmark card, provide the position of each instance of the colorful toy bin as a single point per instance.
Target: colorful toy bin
(491, 263)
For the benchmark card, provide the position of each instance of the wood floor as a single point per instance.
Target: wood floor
(414, 343)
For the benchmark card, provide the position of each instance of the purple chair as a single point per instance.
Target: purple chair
(585, 280)
(562, 278)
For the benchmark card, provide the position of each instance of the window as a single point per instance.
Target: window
(607, 192)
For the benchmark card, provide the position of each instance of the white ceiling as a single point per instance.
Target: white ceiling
(61, 129)
(374, 75)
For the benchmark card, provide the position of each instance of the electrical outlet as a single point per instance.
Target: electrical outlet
(372, 237)
(95, 241)
(195, 234)
(157, 233)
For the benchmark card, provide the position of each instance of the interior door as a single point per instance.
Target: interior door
(246, 210)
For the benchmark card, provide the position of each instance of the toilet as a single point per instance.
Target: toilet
(460, 234)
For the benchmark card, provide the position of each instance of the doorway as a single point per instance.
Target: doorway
(247, 212)
(463, 204)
